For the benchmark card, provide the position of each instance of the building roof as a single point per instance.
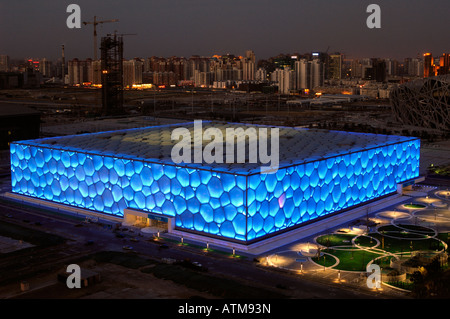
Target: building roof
(154, 144)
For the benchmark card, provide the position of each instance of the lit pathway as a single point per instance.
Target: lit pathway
(427, 211)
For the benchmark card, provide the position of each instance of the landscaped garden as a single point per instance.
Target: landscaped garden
(409, 245)
(352, 252)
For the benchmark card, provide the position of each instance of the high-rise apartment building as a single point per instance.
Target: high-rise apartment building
(436, 66)
(302, 72)
(45, 68)
(248, 70)
(80, 72)
(309, 74)
(428, 65)
(132, 72)
(391, 67)
(4, 63)
(377, 72)
(97, 72)
(317, 73)
(261, 74)
(335, 66)
(444, 64)
(414, 67)
(286, 79)
(250, 55)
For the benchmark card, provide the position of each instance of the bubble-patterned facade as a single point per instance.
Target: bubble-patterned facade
(241, 205)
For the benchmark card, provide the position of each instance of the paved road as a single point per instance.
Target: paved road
(218, 264)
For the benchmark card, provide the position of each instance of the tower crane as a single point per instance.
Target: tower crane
(95, 23)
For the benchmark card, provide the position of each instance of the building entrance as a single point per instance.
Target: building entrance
(148, 221)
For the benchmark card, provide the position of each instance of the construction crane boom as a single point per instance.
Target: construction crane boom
(95, 23)
(120, 34)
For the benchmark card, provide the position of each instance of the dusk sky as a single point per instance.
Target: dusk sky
(36, 29)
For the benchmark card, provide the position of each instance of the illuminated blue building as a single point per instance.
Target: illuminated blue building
(321, 173)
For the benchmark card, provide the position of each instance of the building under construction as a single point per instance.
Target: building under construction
(112, 75)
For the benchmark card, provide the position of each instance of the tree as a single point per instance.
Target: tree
(432, 281)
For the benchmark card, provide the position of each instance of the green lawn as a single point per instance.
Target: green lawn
(421, 229)
(414, 206)
(365, 241)
(325, 260)
(395, 245)
(405, 235)
(402, 227)
(335, 240)
(384, 262)
(350, 260)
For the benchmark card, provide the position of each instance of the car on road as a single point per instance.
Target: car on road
(127, 248)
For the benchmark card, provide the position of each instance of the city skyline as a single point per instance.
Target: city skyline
(178, 28)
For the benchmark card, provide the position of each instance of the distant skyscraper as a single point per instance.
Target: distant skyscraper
(196, 63)
(301, 70)
(309, 74)
(45, 67)
(250, 55)
(261, 74)
(286, 79)
(248, 68)
(356, 69)
(33, 65)
(132, 72)
(391, 67)
(414, 67)
(444, 64)
(97, 72)
(63, 63)
(317, 73)
(202, 79)
(377, 72)
(428, 65)
(79, 72)
(335, 66)
(4, 63)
